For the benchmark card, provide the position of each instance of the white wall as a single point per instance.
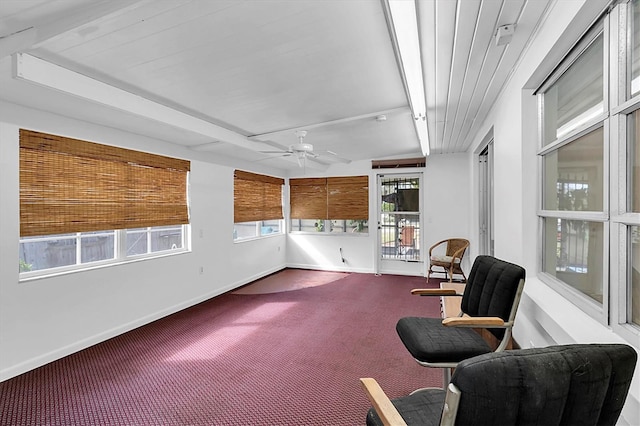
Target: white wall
(446, 214)
(544, 317)
(45, 319)
(322, 251)
(448, 198)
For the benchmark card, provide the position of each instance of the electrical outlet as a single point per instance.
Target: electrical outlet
(201, 270)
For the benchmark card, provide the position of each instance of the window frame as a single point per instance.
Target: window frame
(324, 197)
(244, 207)
(329, 228)
(617, 217)
(120, 255)
(259, 224)
(622, 218)
(584, 302)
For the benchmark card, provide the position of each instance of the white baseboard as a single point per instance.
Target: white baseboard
(330, 268)
(40, 360)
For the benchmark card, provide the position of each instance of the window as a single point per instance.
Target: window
(633, 308)
(589, 155)
(577, 96)
(63, 252)
(257, 202)
(330, 226)
(85, 203)
(334, 205)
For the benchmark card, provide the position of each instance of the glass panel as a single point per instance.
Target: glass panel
(137, 241)
(573, 253)
(270, 227)
(573, 175)
(358, 226)
(53, 251)
(400, 236)
(348, 226)
(634, 48)
(634, 266)
(400, 194)
(308, 225)
(577, 96)
(166, 238)
(633, 174)
(95, 246)
(244, 230)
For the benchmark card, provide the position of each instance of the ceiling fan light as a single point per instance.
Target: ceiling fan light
(305, 147)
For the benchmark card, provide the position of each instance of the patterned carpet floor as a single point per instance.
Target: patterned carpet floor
(281, 358)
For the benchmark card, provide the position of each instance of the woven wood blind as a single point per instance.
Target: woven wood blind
(348, 197)
(68, 185)
(330, 198)
(256, 197)
(308, 198)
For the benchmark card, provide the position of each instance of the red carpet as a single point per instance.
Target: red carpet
(286, 358)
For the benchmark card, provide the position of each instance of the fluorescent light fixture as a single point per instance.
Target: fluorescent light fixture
(35, 70)
(404, 20)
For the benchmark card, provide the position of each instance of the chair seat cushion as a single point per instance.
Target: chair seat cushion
(429, 341)
(421, 408)
(444, 259)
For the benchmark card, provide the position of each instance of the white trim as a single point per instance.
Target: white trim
(43, 359)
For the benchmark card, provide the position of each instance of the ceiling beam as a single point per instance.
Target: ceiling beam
(35, 70)
(263, 136)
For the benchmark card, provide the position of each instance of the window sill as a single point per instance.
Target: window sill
(66, 270)
(261, 237)
(331, 234)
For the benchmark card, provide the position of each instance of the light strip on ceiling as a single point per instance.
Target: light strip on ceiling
(404, 21)
(35, 70)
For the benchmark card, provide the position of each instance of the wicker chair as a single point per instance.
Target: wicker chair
(451, 261)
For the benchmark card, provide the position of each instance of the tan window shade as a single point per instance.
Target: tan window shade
(348, 197)
(308, 198)
(68, 185)
(256, 197)
(330, 198)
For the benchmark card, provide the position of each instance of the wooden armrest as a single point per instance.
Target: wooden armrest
(434, 292)
(381, 403)
(487, 322)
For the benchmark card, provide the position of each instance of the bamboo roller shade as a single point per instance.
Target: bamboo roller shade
(330, 198)
(69, 185)
(256, 197)
(308, 198)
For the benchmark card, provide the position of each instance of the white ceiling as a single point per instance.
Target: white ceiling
(258, 70)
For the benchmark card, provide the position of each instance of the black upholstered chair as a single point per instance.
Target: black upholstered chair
(490, 301)
(581, 384)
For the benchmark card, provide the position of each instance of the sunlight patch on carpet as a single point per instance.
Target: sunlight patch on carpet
(290, 279)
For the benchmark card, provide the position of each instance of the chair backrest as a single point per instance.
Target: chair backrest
(493, 290)
(407, 235)
(584, 384)
(455, 244)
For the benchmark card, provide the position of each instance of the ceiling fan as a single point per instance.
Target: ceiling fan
(301, 150)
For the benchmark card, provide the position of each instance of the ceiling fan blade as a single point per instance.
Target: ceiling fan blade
(332, 156)
(276, 152)
(271, 157)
